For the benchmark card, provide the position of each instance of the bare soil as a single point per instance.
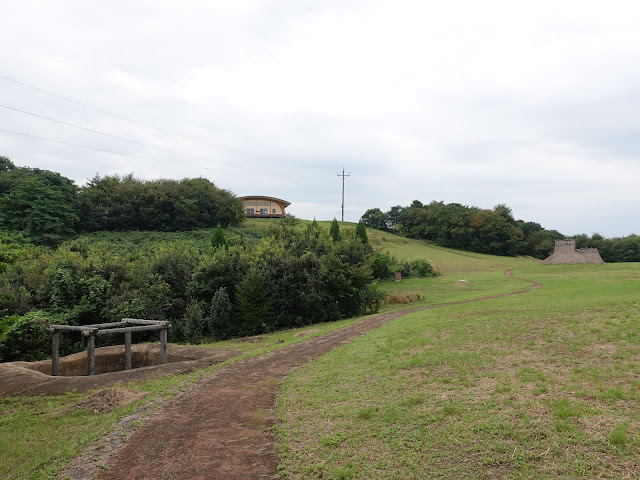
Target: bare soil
(34, 378)
(113, 397)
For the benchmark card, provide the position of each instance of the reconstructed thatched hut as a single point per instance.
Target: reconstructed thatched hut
(565, 252)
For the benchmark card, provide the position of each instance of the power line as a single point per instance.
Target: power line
(343, 177)
(86, 105)
(128, 154)
(136, 142)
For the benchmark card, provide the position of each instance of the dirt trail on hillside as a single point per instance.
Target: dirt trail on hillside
(222, 426)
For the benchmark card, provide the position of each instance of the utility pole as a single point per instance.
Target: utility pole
(343, 177)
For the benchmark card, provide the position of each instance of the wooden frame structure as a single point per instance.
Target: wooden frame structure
(90, 332)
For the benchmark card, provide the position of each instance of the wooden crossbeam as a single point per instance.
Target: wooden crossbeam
(126, 326)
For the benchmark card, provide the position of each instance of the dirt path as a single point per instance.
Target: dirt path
(221, 428)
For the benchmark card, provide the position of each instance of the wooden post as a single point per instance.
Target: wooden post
(163, 346)
(91, 353)
(127, 350)
(55, 353)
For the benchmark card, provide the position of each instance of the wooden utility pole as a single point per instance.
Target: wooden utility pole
(343, 177)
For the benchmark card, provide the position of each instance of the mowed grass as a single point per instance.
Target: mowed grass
(463, 275)
(540, 385)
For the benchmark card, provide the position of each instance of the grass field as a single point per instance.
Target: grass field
(545, 384)
(540, 385)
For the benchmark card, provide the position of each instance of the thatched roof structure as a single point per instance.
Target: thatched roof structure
(565, 252)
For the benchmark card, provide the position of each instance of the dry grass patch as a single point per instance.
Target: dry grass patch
(108, 399)
(402, 298)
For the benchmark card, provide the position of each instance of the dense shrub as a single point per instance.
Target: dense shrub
(292, 275)
(361, 232)
(25, 337)
(382, 264)
(418, 268)
(421, 268)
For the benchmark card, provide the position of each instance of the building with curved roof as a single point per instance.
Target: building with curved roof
(259, 206)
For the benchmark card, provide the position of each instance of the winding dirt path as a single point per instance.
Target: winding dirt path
(222, 426)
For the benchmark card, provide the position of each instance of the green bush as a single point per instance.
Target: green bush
(25, 337)
(418, 268)
(381, 265)
(421, 268)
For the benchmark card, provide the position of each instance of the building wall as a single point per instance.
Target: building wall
(261, 207)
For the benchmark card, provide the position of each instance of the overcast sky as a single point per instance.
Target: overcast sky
(532, 104)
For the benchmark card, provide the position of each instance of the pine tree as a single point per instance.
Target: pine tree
(361, 232)
(219, 319)
(334, 231)
(219, 240)
(193, 323)
(254, 305)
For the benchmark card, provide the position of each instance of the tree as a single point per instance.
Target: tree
(375, 218)
(37, 202)
(334, 231)
(505, 212)
(220, 319)
(193, 322)
(128, 203)
(6, 165)
(361, 232)
(254, 305)
(218, 239)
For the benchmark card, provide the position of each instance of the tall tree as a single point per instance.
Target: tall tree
(375, 218)
(37, 202)
(361, 232)
(334, 231)
(6, 165)
(254, 305)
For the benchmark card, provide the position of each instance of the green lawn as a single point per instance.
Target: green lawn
(463, 276)
(540, 385)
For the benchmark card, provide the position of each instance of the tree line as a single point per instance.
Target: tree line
(493, 231)
(618, 249)
(48, 207)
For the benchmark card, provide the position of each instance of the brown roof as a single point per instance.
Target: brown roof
(262, 197)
